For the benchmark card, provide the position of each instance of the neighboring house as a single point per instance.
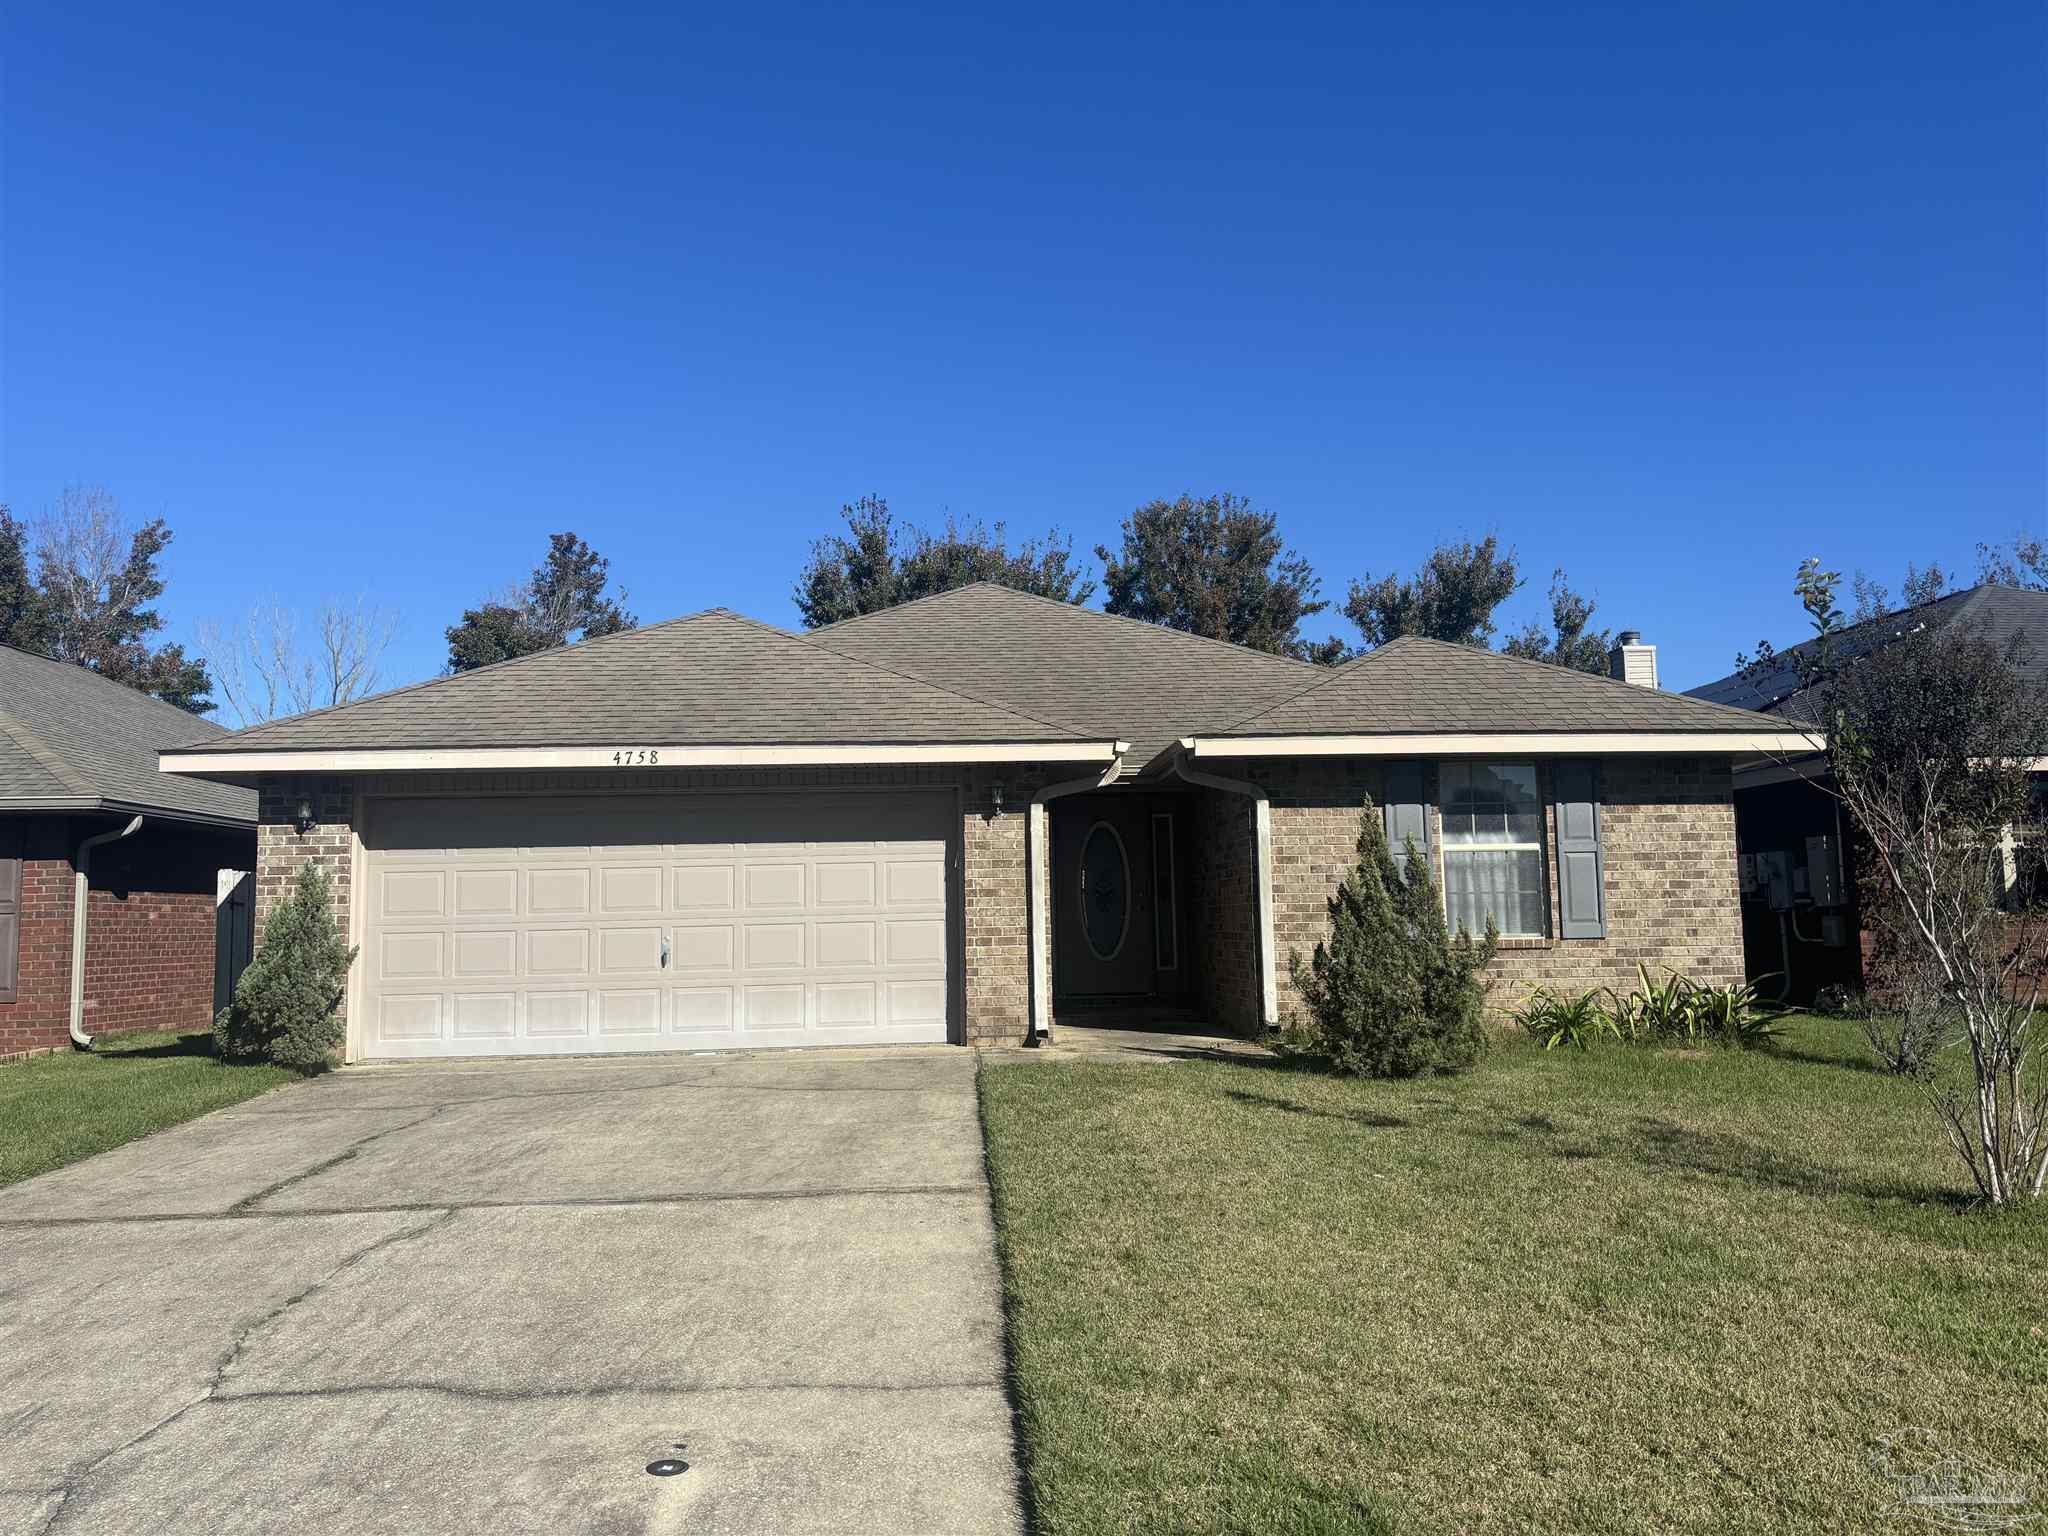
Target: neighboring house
(950, 819)
(78, 768)
(1800, 916)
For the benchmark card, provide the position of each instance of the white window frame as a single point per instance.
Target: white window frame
(1447, 849)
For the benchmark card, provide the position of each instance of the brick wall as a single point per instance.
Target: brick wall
(994, 934)
(149, 929)
(1223, 903)
(1668, 831)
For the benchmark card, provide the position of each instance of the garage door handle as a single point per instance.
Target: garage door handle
(664, 949)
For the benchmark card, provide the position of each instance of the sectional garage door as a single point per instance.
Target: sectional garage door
(556, 926)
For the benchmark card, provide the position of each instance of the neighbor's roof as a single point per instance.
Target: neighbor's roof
(1092, 671)
(709, 678)
(70, 740)
(1415, 686)
(1999, 613)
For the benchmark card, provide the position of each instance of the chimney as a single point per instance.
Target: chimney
(1631, 661)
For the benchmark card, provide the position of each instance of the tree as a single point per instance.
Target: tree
(2021, 563)
(1216, 566)
(1390, 993)
(877, 564)
(1452, 597)
(22, 619)
(285, 1006)
(1930, 740)
(266, 668)
(563, 600)
(1572, 642)
(1923, 584)
(95, 579)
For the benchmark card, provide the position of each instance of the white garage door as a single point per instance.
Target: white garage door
(507, 927)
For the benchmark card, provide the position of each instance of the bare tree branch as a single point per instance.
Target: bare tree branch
(267, 667)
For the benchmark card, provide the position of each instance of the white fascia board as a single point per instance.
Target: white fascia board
(637, 755)
(1509, 743)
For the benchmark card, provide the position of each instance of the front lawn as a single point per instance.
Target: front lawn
(1631, 1290)
(56, 1109)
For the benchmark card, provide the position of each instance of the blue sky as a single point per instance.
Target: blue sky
(370, 300)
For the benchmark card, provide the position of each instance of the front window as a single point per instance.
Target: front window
(1493, 848)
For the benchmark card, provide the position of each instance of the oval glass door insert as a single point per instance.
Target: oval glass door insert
(1105, 890)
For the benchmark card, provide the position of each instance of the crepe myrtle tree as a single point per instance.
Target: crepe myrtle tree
(1930, 743)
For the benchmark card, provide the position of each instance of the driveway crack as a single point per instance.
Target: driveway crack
(67, 1490)
(353, 1149)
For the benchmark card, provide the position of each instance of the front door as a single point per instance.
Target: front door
(1102, 896)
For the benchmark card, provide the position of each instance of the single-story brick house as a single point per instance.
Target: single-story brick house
(959, 818)
(89, 829)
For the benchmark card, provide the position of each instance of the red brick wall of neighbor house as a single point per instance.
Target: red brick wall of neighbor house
(1668, 833)
(149, 929)
(994, 983)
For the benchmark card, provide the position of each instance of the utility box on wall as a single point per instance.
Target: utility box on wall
(1824, 871)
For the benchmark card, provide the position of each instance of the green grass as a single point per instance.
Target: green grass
(1627, 1290)
(56, 1109)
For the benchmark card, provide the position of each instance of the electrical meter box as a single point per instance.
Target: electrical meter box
(1745, 869)
(1824, 871)
(1774, 874)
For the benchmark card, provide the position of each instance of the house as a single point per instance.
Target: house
(110, 891)
(960, 819)
(1801, 921)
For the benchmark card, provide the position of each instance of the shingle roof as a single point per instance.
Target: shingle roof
(1095, 672)
(1413, 685)
(72, 740)
(712, 678)
(1998, 612)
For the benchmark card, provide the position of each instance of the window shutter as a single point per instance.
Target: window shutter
(1405, 814)
(10, 928)
(1581, 904)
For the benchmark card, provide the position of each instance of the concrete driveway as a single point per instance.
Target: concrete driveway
(455, 1298)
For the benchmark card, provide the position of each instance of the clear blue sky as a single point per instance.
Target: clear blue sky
(370, 299)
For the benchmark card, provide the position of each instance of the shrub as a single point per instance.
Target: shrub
(284, 1007)
(1574, 1019)
(1843, 1001)
(1390, 993)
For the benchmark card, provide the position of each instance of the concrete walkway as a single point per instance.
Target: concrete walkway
(462, 1298)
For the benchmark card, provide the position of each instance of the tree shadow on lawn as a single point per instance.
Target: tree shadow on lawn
(1364, 1117)
(1665, 1146)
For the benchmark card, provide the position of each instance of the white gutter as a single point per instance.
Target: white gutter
(81, 881)
(1262, 870)
(636, 755)
(1499, 743)
(1037, 859)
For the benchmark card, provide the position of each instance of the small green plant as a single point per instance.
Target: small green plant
(285, 1006)
(1679, 1010)
(1390, 993)
(1574, 1019)
(1844, 1001)
(1732, 1014)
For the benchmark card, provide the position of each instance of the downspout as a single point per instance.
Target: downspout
(1262, 870)
(1038, 852)
(81, 881)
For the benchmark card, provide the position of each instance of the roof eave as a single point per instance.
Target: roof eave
(246, 763)
(77, 805)
(1734, 743)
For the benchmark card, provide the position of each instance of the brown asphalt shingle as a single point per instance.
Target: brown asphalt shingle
(713, 678)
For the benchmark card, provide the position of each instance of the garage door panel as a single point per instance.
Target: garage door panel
(558, 952)
(557, 1013)
(557, 892)
(623, 950)
(504, 926)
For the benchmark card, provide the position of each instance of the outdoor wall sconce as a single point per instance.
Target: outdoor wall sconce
(304, 821)
(995, 800)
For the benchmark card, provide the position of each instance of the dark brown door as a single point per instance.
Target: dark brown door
(1102, 896)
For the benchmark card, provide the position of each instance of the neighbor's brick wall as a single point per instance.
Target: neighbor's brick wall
(149, 929)
(1668, 830)
(994, 937)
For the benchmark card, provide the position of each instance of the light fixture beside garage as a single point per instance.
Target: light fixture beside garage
(995, 800)
(304, 820)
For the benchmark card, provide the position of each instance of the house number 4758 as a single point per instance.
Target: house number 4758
(635, 757)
